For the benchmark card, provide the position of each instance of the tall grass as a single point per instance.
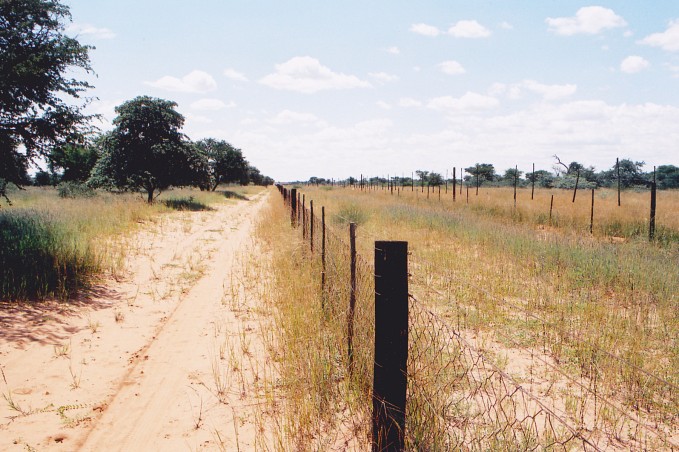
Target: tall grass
(51, 246)
(604, 311)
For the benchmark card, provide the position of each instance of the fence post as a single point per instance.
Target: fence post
(352, 297)
(532, 190)
(293, 209)
(516, 179)
(323, 255)
(311, 225)
(575, 190)
(391, 346)
(651, 225)
(304, 216)
(454, 182)
(617, 168)
(551, 204)
(591, 216)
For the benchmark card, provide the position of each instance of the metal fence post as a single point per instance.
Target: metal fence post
(391, 346)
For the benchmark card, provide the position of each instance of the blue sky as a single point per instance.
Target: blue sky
(333, 89)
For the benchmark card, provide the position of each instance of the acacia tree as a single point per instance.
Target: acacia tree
(35, 57)
(227, 163)
(146, 150)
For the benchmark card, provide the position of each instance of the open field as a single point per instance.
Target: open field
(582, 327)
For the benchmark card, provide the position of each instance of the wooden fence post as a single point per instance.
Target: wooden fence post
(591, 216)
(575, 190)
(532, 190)
(551, 204)
(516, 180)
(651, 225)
(391, 346)
(311, 225)
(352, 297)
(617, 168)
(323, 254)
(454, 182)
(293, 207)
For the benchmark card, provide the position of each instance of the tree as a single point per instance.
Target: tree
(510, 175)
(75, 160)
(667, 176)
(435, 179)
(36, 62)
(146, 150)
(485, 172)
(423, 175)
(542, 178)
(227, 163)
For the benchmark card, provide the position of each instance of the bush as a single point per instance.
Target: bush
(38, 260)
(75, 190)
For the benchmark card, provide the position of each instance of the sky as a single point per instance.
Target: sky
(387, 87)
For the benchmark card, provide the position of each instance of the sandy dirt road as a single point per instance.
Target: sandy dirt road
(167, 359)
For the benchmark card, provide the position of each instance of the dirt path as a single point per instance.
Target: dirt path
(169, 359)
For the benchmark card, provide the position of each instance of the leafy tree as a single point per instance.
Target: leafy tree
(75, 160)
(36, 63)
(146, 150)
(423, 175)
(227, 163)
(42, 178)
(511, 174)
(485, 172)
(630, 174)
(542, 178)
(435, 179)
(667, 176)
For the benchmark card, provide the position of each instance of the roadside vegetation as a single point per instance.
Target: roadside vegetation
(587, 321)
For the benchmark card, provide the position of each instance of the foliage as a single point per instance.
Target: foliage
(146, 150)
(482, 172)
(667, 176)
(73, 189)
(542, 178)
(36, 63)
(227, 163)
(75, 160)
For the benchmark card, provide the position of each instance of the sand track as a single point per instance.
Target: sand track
(154, 362)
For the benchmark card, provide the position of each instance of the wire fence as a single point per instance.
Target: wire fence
(457, 397)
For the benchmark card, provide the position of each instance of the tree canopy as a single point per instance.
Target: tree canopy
(36, 58)
(146, 150)
(226, 162)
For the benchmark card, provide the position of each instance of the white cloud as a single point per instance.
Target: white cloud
(547, 92)
(307, 75)
(633, 64)
(383, 105)
(425, 30)
(468, 29)
(506, 26)
(193, 82)
(235, 75)
(90, 30)
(287, 117)
(383, 77)
(393, 50)
(468, 102)
(210, 104)
(587, 20)
(451, 67)
(667, 40)
(409, 102)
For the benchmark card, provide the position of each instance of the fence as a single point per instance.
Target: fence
(457, 398)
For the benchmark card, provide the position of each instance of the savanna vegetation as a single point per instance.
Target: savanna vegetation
(584, 323)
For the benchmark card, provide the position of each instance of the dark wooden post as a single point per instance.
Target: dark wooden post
(439, 192)
(532, 190)
(551, 204)
(293, 205)
(651, 225)
(577, 179)
(391, 346)
(304, 216)
(591, 216)
(323, 254)
(477, 180)
(352, 297)
(412, 181)
(454, 182)
(617, 168)
(516, 179)
(311, 225)
(467, 194)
